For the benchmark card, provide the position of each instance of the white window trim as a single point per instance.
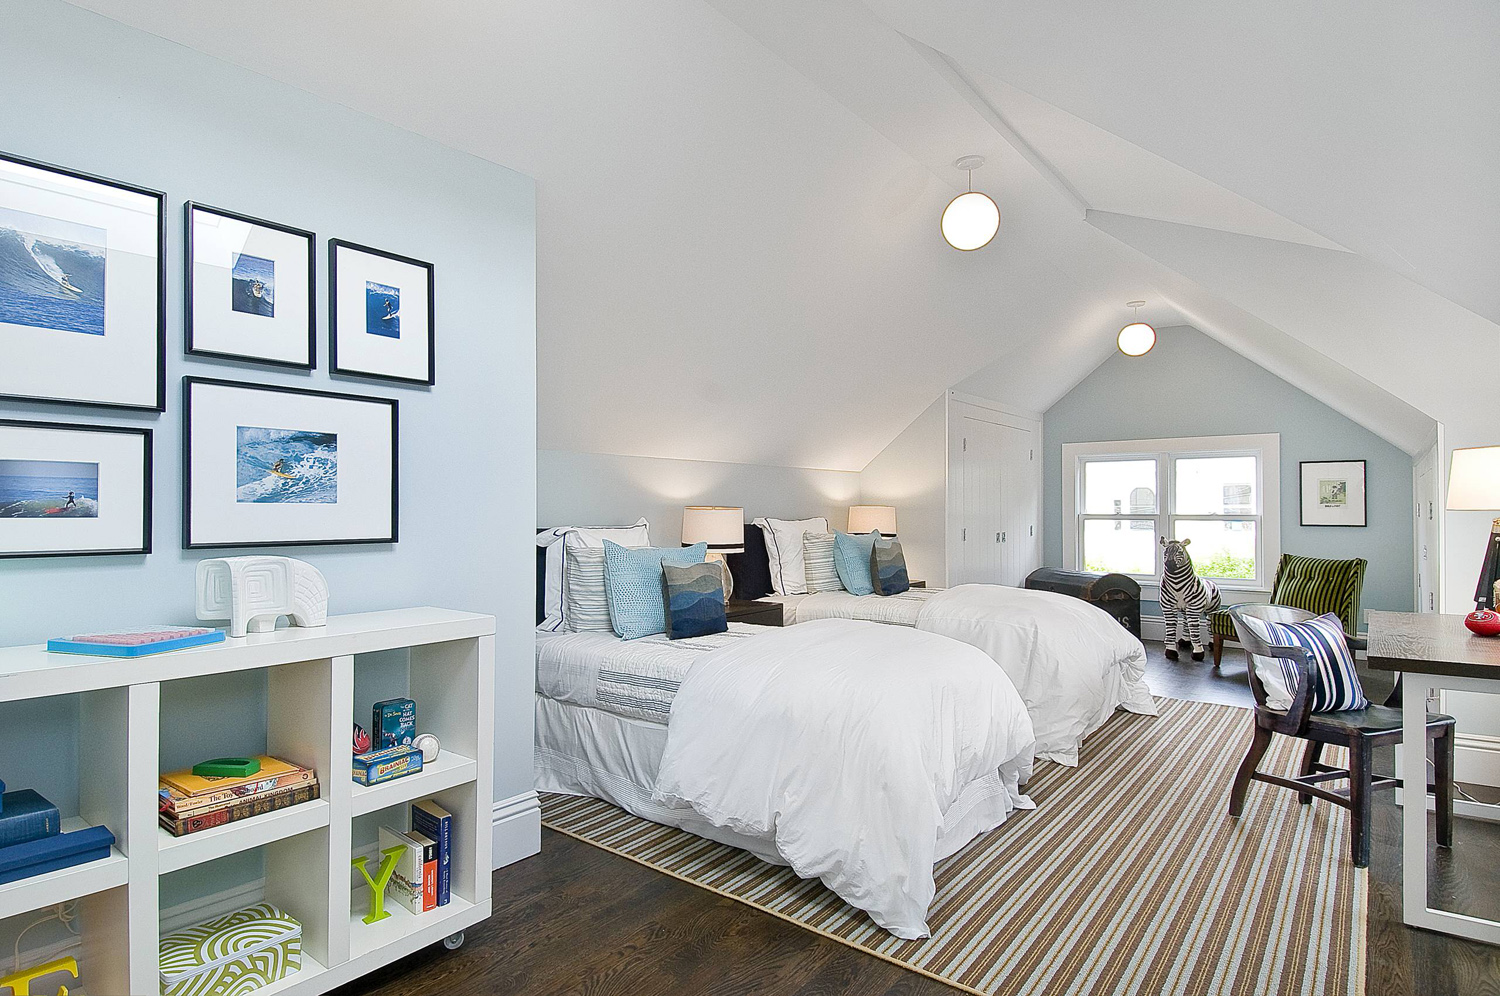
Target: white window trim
(1266, 446)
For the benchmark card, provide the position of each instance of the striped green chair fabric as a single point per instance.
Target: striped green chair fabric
(1309, 583)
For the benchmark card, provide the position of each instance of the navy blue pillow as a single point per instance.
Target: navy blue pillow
(888, 568)
(694, 600)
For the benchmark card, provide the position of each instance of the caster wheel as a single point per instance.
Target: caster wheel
(454, 941)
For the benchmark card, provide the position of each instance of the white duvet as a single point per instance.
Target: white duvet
(1073, 664)
(846, 743)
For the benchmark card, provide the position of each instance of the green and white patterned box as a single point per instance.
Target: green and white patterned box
(231, 955)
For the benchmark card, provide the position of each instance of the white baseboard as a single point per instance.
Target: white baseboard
(517, 828)
(1153, 628)
(1476, 759)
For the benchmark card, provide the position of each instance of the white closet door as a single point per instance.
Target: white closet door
(983, 502)
(1017, 506)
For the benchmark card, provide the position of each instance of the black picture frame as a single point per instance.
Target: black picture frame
(187, 464)
(334, 245)
(1364, 493)
(147, 469)
(161, 287)
(190, 349)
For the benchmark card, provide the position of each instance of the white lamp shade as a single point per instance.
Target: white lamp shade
(721, 527)
(970, 221)
(1136, 339)
(1474, 480)
(871, 518)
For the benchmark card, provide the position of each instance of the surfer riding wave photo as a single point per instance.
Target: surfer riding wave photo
(51, 273)
(292, 466)
(49, 489)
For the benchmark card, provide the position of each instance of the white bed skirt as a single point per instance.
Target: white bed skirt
(590, 752)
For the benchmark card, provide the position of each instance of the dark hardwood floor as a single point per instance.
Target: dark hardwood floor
(576, 919)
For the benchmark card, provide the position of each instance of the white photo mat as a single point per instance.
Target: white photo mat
(122, 523)
(356, 350)
(1333, 493)
(363, 501)
(123, 366)
(217, 241)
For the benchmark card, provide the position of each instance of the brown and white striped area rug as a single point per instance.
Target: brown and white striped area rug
(1129, 877)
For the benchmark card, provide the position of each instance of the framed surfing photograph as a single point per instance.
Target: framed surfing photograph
(1333, 492)
(381, 314)
(74, 490)
(82, 288)
(286, 466)
(249, 289)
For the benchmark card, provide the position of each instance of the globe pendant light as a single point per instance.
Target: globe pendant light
(971, 219)
(1137, 338)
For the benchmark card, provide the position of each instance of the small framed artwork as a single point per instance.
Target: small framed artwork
(1333, 492)
(381, 314)
(285, 466)
(82, 288)
(249, 289)
(74, 490)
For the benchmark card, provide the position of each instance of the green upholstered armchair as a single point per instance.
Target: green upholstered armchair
(1307, 583)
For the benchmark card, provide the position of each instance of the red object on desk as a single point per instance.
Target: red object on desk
(1483, 622)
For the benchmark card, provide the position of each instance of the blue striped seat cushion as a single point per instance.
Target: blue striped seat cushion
(1338, 683)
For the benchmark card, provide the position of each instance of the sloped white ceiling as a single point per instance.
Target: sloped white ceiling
(738, 255)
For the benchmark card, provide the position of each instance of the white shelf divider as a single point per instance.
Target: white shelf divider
(448, 770)
(177, 853)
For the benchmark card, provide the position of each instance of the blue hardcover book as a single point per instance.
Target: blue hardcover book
(431, 820)
(59, 851)
(25, 816)
(136, 642)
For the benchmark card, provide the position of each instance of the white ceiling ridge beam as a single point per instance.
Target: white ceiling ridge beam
(1389, 427)
(961, 85)
(1094, 216)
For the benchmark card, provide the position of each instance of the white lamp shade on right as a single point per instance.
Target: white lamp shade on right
(872, 518)
(1474, 480)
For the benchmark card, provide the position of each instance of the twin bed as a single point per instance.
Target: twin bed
(859, 754)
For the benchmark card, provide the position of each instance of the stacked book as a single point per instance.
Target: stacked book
(32, 841)
(189, 803)
(422, 878)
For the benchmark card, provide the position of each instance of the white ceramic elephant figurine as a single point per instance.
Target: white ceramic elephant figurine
(253, 592)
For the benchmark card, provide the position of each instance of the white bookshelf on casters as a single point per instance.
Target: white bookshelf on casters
(310, 703)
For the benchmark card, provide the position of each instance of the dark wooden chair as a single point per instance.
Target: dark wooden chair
(1359, 730)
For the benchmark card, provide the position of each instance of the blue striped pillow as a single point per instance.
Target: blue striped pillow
(1338, 682)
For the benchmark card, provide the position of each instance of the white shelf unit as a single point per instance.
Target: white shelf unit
(310, 700)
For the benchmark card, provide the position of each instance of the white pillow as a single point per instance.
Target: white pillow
(638, 534)
(784, 549)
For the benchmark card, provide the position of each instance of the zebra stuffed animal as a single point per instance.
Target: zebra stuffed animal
(1184, 593)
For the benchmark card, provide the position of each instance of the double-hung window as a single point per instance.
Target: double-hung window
(1220, 492)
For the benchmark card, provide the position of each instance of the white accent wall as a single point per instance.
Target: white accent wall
(911, 473)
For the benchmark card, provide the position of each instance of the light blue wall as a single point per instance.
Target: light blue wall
(88, 93)
(1218, 392)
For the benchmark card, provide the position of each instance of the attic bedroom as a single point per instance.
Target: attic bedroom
(701, 496)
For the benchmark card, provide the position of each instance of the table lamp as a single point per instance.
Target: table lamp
(872, 518)
(722, 528)
(1474, 486)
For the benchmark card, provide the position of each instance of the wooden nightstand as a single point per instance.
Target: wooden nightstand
(754, 613)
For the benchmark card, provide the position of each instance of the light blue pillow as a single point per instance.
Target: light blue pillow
(851, 558)
(632, 585)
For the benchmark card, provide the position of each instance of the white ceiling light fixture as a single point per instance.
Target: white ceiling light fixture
(1137, 338)
(971, 219)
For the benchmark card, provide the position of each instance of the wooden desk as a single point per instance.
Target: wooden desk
(1433, 651)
